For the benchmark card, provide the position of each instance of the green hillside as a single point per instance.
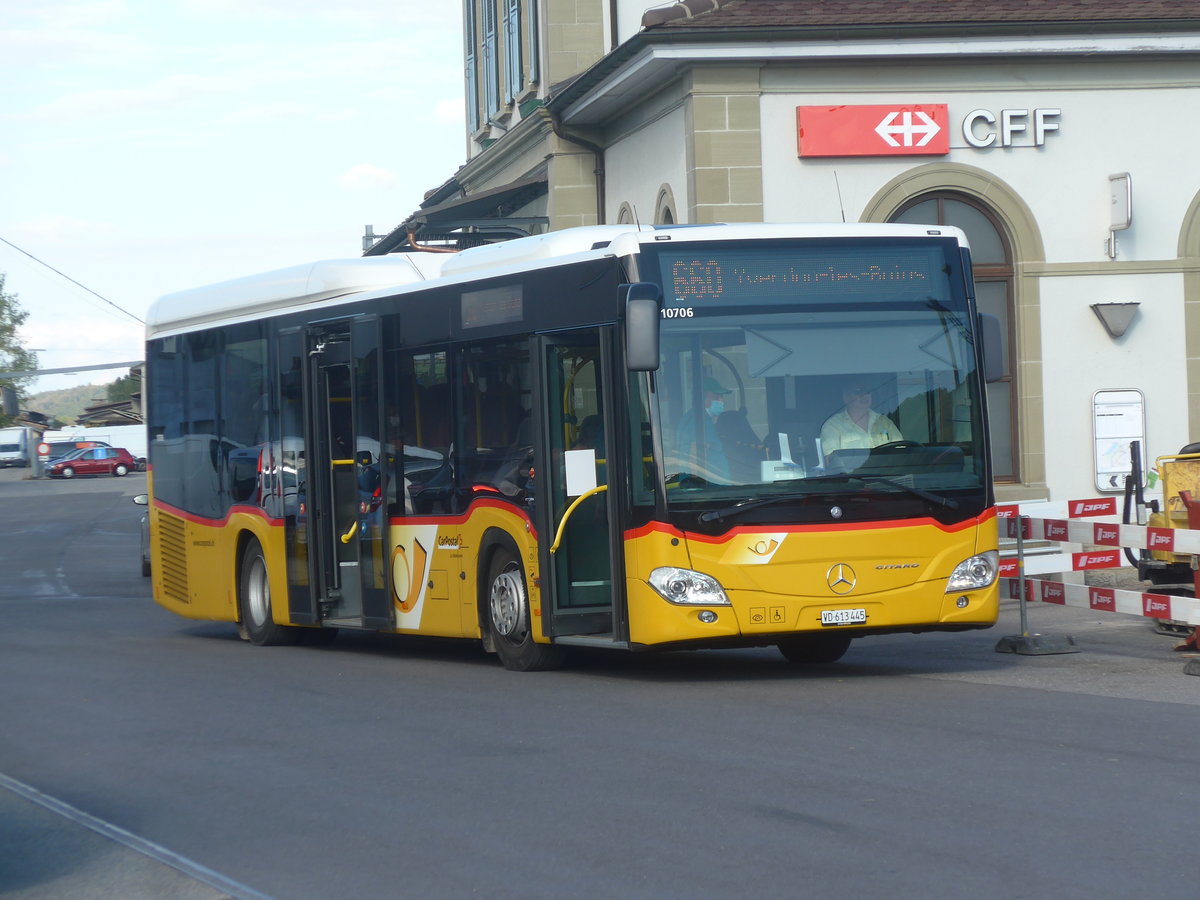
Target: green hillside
(66, 404)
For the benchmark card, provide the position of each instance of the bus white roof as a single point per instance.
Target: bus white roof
(343, 278)
(308, 283)
(620, 240)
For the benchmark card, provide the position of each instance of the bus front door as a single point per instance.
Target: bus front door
(346, 511)
(577, 516)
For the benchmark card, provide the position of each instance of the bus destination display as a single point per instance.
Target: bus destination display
(782, 275)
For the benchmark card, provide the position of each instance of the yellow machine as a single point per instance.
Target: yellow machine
(1180, 508)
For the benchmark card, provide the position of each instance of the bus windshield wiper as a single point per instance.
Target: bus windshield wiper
(947, 502)
(715, 515)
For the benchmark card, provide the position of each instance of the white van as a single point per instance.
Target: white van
(14, 446)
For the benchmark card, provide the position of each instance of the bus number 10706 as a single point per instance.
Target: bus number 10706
(677, 312)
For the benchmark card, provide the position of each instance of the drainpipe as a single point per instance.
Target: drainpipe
(595, 149)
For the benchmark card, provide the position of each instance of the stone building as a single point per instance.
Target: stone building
(1059, 135)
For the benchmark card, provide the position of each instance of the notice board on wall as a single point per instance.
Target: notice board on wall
(1118, 418)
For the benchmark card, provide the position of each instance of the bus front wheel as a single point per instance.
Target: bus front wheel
(254, 601)
(508, 618)
(814, 649)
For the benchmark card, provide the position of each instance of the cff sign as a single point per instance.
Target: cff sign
(913, 129)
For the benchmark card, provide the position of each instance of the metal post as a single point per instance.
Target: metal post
(1027, 644)
(1021, 520)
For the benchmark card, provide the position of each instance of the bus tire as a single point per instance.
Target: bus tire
(814, 649)
(254, 601)
(508, 619)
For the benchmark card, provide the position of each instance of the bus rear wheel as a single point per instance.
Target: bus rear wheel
(254, 601)
(508, 618)
(814, 649)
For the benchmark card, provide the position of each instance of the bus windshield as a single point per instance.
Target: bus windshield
(814, 369)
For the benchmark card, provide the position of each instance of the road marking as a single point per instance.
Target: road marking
(147, 848)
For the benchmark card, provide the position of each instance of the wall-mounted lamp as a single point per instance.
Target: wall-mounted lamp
(1120, 190)
(1115, 316)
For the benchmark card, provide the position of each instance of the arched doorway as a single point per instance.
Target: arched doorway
(992, 267)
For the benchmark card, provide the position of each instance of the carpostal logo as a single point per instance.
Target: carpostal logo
(1102, 598)
(1156, 606)
(449, 541)
(1093, 507)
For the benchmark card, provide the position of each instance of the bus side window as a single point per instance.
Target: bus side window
(495, 451)
(420, 439)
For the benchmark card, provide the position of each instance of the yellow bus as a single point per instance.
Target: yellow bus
(611, 436)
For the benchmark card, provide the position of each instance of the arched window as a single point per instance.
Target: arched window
(664, 206)
(992, 266)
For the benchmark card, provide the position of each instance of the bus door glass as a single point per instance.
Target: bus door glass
(346, 509)
(579, 506)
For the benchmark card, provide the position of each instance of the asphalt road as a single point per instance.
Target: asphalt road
(144, 755)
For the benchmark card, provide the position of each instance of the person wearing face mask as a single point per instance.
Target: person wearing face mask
(697, 438)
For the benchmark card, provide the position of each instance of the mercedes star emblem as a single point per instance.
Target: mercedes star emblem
(841, 578)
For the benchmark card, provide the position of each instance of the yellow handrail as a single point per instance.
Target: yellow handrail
(349, 534)
(600, 488)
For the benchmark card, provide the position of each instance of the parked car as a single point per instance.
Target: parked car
(61, 449)
(93, 461)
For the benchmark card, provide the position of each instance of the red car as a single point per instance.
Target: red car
(93, 461)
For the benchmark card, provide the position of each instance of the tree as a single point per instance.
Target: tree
(123, 388)
(13, 355)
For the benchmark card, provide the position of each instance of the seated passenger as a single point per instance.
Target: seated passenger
(743, 449)
(697, 441)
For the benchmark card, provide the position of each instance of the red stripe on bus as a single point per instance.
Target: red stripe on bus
(462, 518)
(217, 523)
(671, 530)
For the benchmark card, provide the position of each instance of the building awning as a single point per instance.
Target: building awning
(467, 220)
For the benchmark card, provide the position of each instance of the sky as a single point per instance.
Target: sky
(150, 146)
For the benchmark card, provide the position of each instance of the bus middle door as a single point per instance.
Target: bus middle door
(347, 474)
(578, 515)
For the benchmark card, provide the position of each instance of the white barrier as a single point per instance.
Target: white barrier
(1062, 522)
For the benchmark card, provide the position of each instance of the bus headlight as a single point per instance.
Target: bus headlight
(687, 588)
(974, 573)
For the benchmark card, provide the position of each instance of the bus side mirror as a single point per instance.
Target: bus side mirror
(643, 311)
(993, 348)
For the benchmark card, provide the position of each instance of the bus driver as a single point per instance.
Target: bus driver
(857, 426)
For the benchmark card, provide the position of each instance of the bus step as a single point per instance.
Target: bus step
(591, 640)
